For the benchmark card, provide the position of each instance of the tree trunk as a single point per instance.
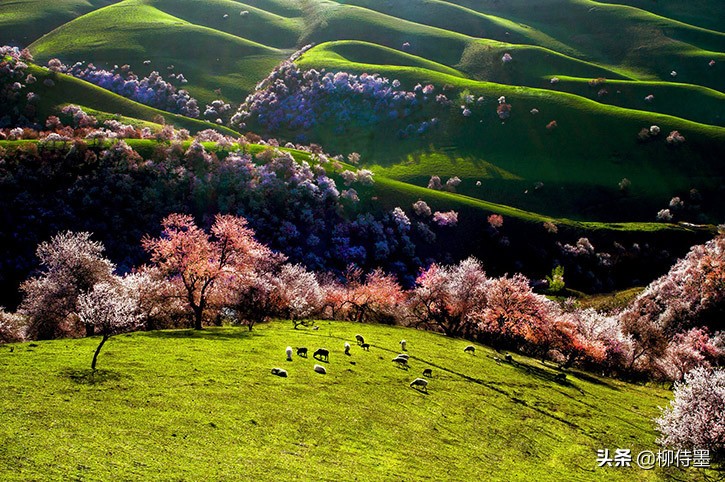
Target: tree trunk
(98, 350)
(90, 329)
(198, 317)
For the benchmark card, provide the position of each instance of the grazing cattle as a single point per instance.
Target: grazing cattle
(360, 339)
(365, 346)
(302, 351)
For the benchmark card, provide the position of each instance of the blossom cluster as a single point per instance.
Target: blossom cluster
(153, 90)
(298, 100)
(17, 104)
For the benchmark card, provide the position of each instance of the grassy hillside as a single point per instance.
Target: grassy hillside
(24, 21)
(187, 405)
(228, 46)
(210, 59)
(593, 148)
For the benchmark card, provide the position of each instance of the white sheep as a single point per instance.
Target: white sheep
(280, 372)
(347, 348)
(403, 345)
(401, 361)
(470, 349)
(288, 351)
(420, 382)
(320, 369)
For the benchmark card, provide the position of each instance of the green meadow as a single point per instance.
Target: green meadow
(186, 405)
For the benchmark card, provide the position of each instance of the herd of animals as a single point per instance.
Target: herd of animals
(323, 354)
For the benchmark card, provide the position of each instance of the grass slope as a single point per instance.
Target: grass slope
(617, 35)
(203, 405)
(694, 12)
(209, 59)
(459, 42)
(594, 147)
(24, 21)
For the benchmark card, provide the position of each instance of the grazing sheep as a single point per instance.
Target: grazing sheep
(420, 382)
(347, 349)
(509, 358)
(428, 372)
(302, 351)
(288, 351)
(560, 377)
(470, 349)
(497, 360)
(279, 372)
(401, 361)
(321, 353)
(404, 355)
(403, 345)
(365, 346)
(315, 327)
(360, 339)
(320, 369)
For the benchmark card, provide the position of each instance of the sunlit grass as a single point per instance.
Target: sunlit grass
(204, 405)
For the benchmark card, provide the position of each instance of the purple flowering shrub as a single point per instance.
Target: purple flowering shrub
(292, 99)
(153, 90)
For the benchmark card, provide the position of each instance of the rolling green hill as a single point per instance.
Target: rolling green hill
(24, 21)
(201, 405)
(229, 46)
(209, 58)
(593, 148)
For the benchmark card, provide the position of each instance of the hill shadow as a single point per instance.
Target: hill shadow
(506, 394)
(211, 334)
(86, 376)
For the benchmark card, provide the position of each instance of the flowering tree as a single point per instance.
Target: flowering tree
(691, 293)
(199, 261)
(12, 327)
(72, 265)
(695, 419)
(686, 351)
(515, 315)
(445, 297)
(300, 295)
(255, 298)
(110, 309)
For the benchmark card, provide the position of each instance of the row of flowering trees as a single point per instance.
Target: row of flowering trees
(197, 277)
